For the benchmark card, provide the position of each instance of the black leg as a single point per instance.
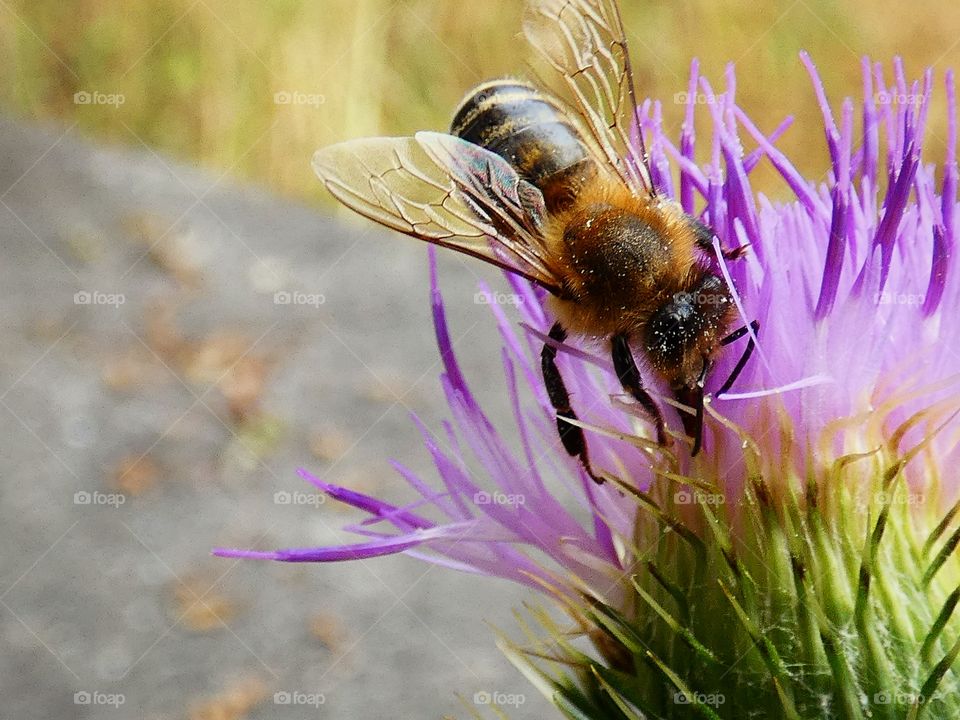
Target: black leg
(626, 369)
(704, 237)
(747, 352)
(570, 435)
(733, 253)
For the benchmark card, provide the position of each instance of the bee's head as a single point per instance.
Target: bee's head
(683, 335)
(684, 332)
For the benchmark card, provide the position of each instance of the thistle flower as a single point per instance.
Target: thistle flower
(802, 566)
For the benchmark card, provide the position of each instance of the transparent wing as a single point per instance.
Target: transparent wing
(444, 190)
(584, 45)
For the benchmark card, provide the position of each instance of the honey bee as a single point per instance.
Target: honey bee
(545, 182)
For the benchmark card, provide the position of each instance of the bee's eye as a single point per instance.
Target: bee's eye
(677, 328)
(674, 326)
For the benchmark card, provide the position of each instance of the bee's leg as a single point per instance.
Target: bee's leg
(571, 436)
(628, 373)
(747, 352)
(704, 237)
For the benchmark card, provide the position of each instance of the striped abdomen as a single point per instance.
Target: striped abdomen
(527, 129)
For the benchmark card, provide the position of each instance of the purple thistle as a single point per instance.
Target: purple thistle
(851, 281)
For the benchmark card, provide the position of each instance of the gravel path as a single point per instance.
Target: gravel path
(156, 394)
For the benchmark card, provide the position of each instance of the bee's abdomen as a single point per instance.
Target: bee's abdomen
(529, 130)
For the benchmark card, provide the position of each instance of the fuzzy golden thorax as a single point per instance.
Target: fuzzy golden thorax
(631, 266)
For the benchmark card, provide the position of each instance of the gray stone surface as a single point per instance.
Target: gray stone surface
(97, 598)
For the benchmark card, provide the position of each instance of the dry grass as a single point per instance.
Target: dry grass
(199, 77)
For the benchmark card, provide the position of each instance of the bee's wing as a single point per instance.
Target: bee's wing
(447, 191)
(583, 41)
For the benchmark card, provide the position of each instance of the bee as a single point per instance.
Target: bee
(544, 182)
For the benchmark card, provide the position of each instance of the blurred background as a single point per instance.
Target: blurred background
(256, 87)
(185, 324)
